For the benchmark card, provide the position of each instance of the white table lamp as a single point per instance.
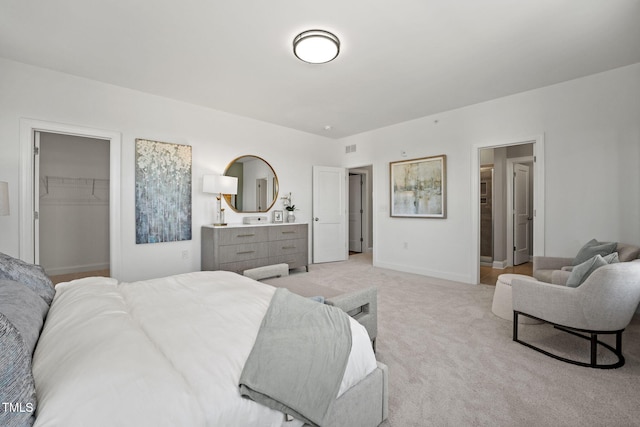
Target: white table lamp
(4, 198)
(220, 184)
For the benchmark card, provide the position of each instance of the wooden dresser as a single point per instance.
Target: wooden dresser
(241, 247)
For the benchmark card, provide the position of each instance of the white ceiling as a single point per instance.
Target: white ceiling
(399, 59)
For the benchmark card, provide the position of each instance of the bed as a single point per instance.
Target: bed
(171, 351)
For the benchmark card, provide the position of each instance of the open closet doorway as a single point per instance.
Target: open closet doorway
(71, 196)
(361, 212)
(29, 182)
(506, 210)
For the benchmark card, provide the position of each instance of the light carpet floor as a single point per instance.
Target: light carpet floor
(453, 363)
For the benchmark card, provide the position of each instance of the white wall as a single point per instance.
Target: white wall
(591, 130)
(216, 138)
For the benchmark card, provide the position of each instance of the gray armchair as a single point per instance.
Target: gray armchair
(556, 270)
(603, 304)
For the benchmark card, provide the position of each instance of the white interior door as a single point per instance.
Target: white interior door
(329, 214)
(521, 214)
(355, 213)
(261, 194)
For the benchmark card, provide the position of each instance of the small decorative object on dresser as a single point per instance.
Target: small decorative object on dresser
(277, 216)
(241, 247)
(291, 217)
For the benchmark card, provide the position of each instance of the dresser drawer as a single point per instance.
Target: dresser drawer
(287, 247)
(288, 232)
(232, 253)
(241, 235)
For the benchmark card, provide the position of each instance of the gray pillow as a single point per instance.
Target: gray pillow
(17, 388)
(612, 258)
(593, 248)
(581, 271)
(24, 309)
(29, 274)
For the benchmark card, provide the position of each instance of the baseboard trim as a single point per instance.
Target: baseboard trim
(500, 265)
(57, 271)
(424, 272)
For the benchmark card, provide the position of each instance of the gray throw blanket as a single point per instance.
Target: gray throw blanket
(299, 357)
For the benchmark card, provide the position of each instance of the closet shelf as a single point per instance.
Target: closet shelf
(61, 189)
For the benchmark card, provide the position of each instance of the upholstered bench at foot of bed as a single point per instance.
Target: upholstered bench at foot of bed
(362, 304)
(267, 272)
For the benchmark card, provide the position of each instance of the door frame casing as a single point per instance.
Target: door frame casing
(538, 198)
(28, 127)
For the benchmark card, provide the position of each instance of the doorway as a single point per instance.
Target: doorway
(361, 211)
(72, 201)
(261, 195)
(509, 192)
(28, 235)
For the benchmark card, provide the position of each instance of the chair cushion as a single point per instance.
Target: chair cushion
(593, 248)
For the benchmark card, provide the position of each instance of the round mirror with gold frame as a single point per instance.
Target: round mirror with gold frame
(257, 185)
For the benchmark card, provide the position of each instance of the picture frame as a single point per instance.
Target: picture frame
(163, 181)
(418, 187)
(278, 216)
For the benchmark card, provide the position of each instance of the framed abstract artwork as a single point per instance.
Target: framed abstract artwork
(418, 187)
(163, 192)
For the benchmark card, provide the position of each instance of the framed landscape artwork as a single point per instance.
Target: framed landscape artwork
(418, 187)
(163, 192)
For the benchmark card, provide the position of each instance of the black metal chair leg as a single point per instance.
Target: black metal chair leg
(589, 335)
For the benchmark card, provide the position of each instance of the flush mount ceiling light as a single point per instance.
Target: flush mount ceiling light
(316, 46)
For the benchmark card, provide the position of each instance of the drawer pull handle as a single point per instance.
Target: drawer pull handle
(288, 247)
(244, 253)
(288, 232)
(246, 235)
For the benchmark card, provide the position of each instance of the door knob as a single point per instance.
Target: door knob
(316, 219)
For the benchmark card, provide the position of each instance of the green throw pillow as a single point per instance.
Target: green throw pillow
(593, 248)
(581, 271)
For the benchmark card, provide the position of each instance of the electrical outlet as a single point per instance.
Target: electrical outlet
(185, 254)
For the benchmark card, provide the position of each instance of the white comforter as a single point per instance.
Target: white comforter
(162, 352)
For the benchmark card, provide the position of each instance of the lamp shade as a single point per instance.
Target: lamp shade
(316, 46)
(4, 198)
(220, 184)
